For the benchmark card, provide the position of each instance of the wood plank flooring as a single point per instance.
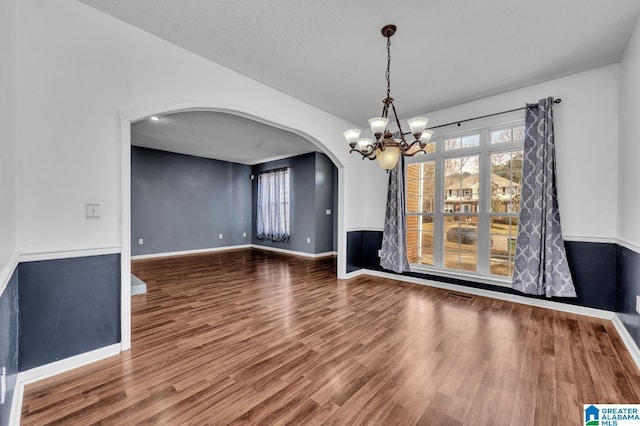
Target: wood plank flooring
(254, 337)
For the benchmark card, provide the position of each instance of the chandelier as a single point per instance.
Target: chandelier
(387, 148)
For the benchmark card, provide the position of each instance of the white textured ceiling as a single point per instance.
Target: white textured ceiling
(219, 136)
(331, 54)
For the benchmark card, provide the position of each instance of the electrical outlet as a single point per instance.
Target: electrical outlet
(220, 236)
(308, 240)
(379, 253)
(638, 304)
(328, 212)
(140, 241)
(244, 235)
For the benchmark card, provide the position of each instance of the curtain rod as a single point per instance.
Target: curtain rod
(458, 122)
(279, 169)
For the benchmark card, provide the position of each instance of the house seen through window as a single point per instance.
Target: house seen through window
(463, 200)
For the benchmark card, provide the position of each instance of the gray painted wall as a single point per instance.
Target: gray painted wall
(180, 202)
(313, 190)
(326, 175)
(302, 199)
(9, 342)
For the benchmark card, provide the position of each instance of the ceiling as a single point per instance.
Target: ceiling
(217, 135)
(331, 54)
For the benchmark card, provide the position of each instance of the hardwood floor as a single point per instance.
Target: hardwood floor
(254, 337)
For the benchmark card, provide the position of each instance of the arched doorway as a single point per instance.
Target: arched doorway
(129, 117)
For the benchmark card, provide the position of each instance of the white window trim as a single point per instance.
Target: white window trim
(484, 151)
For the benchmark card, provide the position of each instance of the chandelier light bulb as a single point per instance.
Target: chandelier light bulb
(388, 158)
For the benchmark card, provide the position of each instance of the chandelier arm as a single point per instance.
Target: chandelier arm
(385, 109)
(406, 154)
(359, 152)
(398, 123)
(411, 145)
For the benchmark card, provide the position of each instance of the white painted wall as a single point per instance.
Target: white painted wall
(79, 68)
(8, 136)
(629, 150)
(586, 126)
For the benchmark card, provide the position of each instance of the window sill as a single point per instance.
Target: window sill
(501, 282)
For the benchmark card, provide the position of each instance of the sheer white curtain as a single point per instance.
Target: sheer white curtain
(273, 205)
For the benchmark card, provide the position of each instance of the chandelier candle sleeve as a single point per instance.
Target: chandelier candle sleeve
(385, 147)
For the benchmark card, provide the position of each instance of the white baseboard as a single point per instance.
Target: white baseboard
(187, 252)
(354, 274)
(48, 370)
(633, 349)
(16, 403)
(227, 248)
(564, 307)
(295, 253)
(548, 304)
(64, 365)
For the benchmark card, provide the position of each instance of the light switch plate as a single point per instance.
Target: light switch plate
(328, 212)
(93, 211)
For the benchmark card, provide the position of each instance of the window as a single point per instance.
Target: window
(273, 205)
(463, 199)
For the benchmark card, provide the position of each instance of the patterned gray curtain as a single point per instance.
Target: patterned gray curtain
(541, 261)
(394, 239)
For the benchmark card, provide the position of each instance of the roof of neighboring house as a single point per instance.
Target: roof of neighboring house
(472, 180)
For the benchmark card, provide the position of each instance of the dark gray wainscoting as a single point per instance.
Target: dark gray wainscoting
(593, 266)
(67, 307)
(628, 288)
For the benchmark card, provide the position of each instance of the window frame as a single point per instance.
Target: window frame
(484, 151)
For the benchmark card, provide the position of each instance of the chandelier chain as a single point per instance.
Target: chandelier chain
(388, 73)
